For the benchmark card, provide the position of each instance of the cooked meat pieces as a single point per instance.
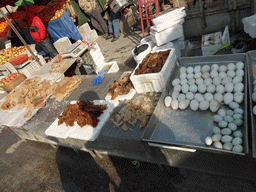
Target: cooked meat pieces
(152, 63)
(83, 112)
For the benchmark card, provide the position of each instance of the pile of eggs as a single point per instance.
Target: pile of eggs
(254, 94)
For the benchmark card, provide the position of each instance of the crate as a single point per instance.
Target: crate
(112, 67)
(91, 36)
(154, 82)
(211, 43)
(250, 25)
(84, 29)
(30, 68)
(62, 44)
(167, 35)
(14, 83)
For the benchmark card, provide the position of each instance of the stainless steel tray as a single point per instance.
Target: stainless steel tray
(187, 129)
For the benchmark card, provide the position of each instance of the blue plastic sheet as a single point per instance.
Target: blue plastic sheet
(63, 27)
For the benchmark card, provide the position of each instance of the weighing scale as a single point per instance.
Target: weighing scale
(75, 50)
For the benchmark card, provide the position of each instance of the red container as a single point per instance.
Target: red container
(19, 59)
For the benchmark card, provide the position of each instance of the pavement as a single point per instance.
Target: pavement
(34, 166)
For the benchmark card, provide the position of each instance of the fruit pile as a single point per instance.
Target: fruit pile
(9, 78)
(8, 54)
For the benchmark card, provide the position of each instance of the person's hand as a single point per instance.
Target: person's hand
(106, 6)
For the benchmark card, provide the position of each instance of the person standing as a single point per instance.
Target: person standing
(91, 8)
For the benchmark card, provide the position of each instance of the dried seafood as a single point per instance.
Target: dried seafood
(57, 59)
(65, 87)
(121, 86)
(152, 63)
(131, 112)
(31, 95)
(83, 112)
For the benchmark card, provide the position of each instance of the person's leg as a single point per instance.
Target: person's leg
(96, 24)
(116, 24)
(96, 14)
(48, 47)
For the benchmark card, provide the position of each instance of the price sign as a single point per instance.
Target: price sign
(8, 44)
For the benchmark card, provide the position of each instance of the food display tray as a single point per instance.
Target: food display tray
(187, 129)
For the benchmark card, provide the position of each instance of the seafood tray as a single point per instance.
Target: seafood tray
(186, 129)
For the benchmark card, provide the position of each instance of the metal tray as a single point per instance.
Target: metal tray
(187, 129)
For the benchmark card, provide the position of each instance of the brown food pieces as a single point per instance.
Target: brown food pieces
(121, 86)
(83, 112)
(152, 63)
(57, 59)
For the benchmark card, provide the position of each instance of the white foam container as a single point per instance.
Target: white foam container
(113, 69)
(84, 29)
(250, 25)
(154, 82)
(142, 55)
(62, 44)
(211, 43)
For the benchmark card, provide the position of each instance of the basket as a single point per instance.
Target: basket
(14, 83)
(62, 44)
(91, 36)
(84, 29)
(29, 69)
(155, 82)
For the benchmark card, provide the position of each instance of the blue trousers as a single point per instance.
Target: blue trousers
(113, 23)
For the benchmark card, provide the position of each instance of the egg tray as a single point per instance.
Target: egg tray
(187, 129)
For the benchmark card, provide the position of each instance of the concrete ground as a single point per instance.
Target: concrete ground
(32, 166)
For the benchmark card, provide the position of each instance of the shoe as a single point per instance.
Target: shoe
(108, 37)
(115, 38)
(105, 35)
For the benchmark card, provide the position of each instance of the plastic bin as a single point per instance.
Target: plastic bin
(154, 82)
(112, 67)
(250, 25)
(62, 44)
(84, 29)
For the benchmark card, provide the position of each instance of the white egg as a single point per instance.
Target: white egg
(214, 105)
(194, 104)
(254, 110)
(216, 137)
(223, 124)
(175, 95)
(237, 116)
(208, 81)
(185, 88)
(220, 89)
(239, 87)
(201, 88)
(222, 112)
(232, 126)
(223, 68)
(216, 130)
(222, 75)
(231, 73)
(219, 97)
(217, 118)
(230, 112)
(229, 119)
(231, 66)
(214, 74)
(254, 96)
(218, 145)
(240, 72)
(226, 80)
(181, 97)
(216, 81)
(210, 88)
(193, 88)
(238, 133)
(184, 104)
(238, 148)
(189, 95)
(175, 104)
(177, 88)
(198, 74)
(226, 138)
(205, 68)
(227, 146)
(239, 111)
(199, 97)
(237, 141)
(237, 79)
(228, 98)
(204, 105)
(190, 70)
(238, 97)
(190, 75)
(254, 82)
(229, 87)
(183, 81)
(238, 122)
(226, 131)
(239, 65)
(205, 75)
(208, 97)
(199, 81)
(197, 68)
(215, 67)
(183, 75)
(175, 82)
(208, 140)
(183, 70)
(191, 81)
(167, 101)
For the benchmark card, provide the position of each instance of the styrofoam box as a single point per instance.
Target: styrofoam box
(169, 34)
(170, 15)
(84, 29)
(97, 56)
(92, 36)
(154, 81)
(211, 43)
(62, 44)
(113, 69)
(250, 25)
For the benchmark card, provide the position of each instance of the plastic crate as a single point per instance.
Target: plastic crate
(167, 35)
(111, 66)
(155, 82)
(91, 36)
(84, 29)
(62, 44)
(30, 68)
(250, 25)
